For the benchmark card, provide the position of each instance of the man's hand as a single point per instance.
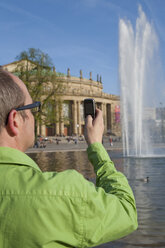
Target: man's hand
(94, 128)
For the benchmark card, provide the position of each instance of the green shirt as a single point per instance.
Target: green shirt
(51, 210)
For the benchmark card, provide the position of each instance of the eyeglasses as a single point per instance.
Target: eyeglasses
(36, 107)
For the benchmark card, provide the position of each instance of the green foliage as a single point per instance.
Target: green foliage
(35, 70)
(37, 56)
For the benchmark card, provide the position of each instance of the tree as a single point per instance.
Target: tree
(36, 56)
(35, 70)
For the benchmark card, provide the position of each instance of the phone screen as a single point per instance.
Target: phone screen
(89, 108)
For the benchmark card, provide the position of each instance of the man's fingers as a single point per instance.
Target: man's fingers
(94, 128)
(99, 116)
(98, 113)
(88, 121)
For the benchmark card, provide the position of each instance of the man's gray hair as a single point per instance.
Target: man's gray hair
(11, 96)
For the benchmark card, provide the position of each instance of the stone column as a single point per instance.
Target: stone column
(61, 120)
(43, 130)
(105, 117)
(57, 119)
(74, 117)
(101, 106)
(109, 122)
(79, 117)
(113, 118)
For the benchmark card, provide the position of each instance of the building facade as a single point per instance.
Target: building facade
(69, 111)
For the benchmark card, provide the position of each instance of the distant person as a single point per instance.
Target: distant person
(37, 143)
(111, 141)
(50, 209)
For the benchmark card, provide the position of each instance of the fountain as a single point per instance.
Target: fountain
(137, 54)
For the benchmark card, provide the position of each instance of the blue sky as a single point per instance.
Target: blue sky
(76, 34)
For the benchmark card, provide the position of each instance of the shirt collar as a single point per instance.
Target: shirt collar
(9, 155)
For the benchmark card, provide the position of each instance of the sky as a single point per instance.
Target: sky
(76, 34)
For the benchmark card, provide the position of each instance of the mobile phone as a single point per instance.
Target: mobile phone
(89, 108)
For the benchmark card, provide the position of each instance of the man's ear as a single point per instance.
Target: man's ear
(13, 123)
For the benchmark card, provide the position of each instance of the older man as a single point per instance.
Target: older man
(55, 209)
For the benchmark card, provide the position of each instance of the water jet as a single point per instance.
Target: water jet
(137, 50)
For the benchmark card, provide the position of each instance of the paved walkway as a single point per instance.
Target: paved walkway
(64, 146)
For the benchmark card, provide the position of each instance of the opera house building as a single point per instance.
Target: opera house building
(70, 119)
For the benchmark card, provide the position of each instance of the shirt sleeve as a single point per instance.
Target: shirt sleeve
(110, 211)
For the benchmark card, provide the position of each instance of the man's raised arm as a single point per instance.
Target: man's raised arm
(111, 209)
